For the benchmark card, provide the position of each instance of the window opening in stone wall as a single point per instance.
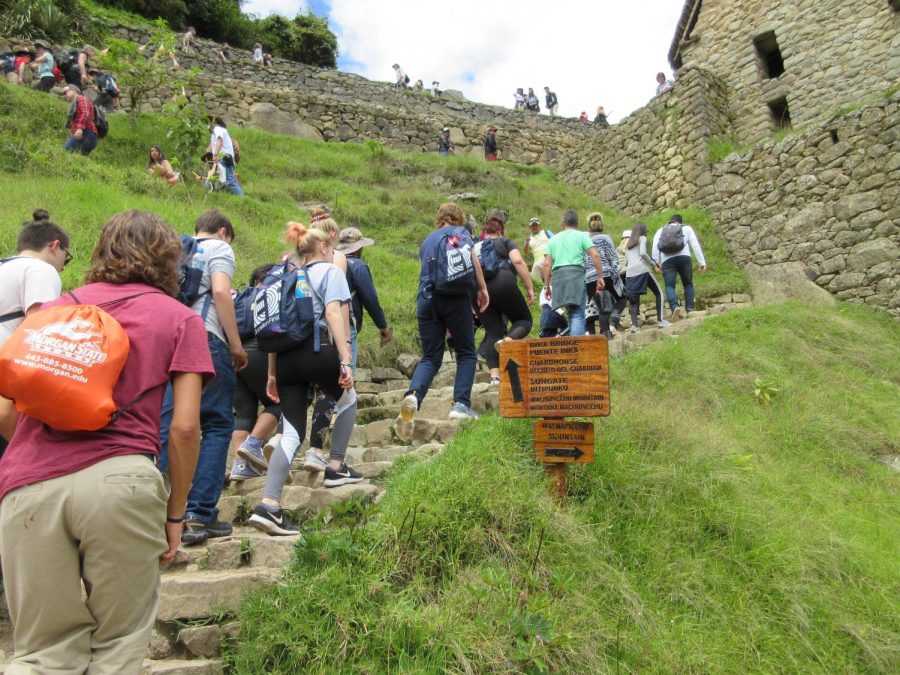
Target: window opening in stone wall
(769, 53)
(834, 136)
(781, 115)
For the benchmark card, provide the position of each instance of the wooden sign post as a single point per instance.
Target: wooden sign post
(554, 378)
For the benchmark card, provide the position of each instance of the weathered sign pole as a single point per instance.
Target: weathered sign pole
(556, 378)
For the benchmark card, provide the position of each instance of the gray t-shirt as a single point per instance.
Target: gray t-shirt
(213, 255)
(329, 285)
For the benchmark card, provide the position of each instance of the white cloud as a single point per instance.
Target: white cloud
(590, 52)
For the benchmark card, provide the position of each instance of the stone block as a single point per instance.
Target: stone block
(373, 469)
(183, 667)
(407, 363)
(366, 387)
(202, 641)
(269, 117)
(379, 433)
(229, 508)
(325, 497)
(358, 436)
(160, 645)
(385, 374)
(785, 281)
(362, 375)
(272, 552)
(446, 430)
(386, 454)
(645, 337)
(223, 554)
(296, 497)
(201, 594)
(870, 253)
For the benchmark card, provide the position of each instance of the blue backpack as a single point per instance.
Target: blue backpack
(283, 313)
(450, 267)
(243, 312)
(190, 271)
(7, 62)
(491, 262)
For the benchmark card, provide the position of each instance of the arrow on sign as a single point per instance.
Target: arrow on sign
(514, 382)
(574, 453)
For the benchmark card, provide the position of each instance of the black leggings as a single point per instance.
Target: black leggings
(620, 301)
(250, 391)
(507, 304)
(300, 369)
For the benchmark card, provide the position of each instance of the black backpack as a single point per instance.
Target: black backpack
(100, 121)
(107, 85)
(491, 262)
(671, 239)
(7, 62)
(243, 312)
(406, 79)
(190, 275)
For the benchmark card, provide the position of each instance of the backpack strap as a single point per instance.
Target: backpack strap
(10, 316)
(317, 322)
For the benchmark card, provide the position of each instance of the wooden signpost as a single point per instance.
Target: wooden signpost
(555, 378)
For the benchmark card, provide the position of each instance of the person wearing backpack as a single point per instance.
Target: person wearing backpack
(321, 359)
(639, 276)
(565, 266)
(672, 247)
(551, 102)
(82, 122)
(532, 103)
(210, 298)
(402, 77)
(43, 64)
(108, 95)
(448, 274)
(612, 282)
(21, 57)
(501, 262)
(536, 244)
(89, 508)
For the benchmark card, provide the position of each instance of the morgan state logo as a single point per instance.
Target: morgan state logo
(71, 340)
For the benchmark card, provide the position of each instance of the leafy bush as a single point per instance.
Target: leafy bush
(56, 21)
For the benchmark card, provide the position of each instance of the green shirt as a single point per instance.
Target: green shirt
(568, 248)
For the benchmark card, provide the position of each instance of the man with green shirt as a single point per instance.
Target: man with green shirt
(564, 267)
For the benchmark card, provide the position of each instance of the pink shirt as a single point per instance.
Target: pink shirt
(166, 338)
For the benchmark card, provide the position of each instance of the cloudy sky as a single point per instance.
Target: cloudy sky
(590, 52)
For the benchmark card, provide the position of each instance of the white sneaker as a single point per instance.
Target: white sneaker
(460, 411)
(405, 425)
(662, 323)
(314, 462)
(635, 329)
(270, 446)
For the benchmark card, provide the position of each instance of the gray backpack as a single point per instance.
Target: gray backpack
(671, 239)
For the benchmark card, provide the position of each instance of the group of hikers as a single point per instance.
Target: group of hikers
(208, 372)
(259, 57)
(531, 103)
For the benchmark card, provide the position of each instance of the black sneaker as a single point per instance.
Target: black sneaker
(342, 476)
(217, 528)
(272, 522)
(194, 532)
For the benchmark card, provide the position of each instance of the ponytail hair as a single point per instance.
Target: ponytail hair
(304, 238)
(639, 230)
(322, 220)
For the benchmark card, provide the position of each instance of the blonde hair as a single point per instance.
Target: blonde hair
(321, 218)
(449, 214)
(305, 238)
(595, 222)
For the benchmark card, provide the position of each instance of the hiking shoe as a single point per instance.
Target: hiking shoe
(243, 471)
(343, 476)
(314, 461)
(635, 329)
(272, 522)
(662, 323)
(194, 532)
(678, 314)
(251, 451)
(406, 421)
(460, 411)
(270, 446)
(217, 528)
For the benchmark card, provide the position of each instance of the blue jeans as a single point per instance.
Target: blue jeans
(216, 425)
(87, 143)
(436, 316)
(576, 316)
(682, 266)
(231, 181)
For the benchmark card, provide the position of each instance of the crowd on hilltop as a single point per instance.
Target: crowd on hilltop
(196, 372)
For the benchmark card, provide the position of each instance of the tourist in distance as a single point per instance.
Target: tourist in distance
(490, 145)
(108, 94)
(672, 247)
(583, 117)
(255, 414)
(21, 59)
(43, 64)
(536, 244)
(520, 99)
(223, 151)
(565, 267)
(27, 280)
(214, 234)
(531, 101)
(293, 373)
(225, 53)
(445, 145)
(90, 508)
(435, 88)
(442, 309)
(267, 59)
(82, 122)
(158, 165)
(638, 276)
(612, 282)
(402, 79)
(550, 101)
(600, 118)
(187, 40)
(75, 71)
(662, 84)
(507, 316)
(257, 54)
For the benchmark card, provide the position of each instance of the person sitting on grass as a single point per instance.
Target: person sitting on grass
(158, 165)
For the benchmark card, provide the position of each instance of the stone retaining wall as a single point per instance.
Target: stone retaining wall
(827, 198)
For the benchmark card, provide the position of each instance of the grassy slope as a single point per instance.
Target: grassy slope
(391, 196)
(713, 534)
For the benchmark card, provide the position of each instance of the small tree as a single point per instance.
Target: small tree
(188, 133)
(141, 71)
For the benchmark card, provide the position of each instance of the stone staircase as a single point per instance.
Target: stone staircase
(205, 585)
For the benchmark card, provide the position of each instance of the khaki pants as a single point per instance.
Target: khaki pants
(537, 270)
(98, 532)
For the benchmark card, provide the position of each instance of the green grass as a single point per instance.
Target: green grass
(713, 533)
(391, 196)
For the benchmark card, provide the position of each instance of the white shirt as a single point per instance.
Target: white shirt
(691, 243)
(401, 76)
(257, 55)
(227, 145)
(213, 255)
(25, 282)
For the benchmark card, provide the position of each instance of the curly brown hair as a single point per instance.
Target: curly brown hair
(136, 247)
(449, 214)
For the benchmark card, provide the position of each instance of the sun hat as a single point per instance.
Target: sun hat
(534, 221)
(446, 129)
(352, 239)
(41, 43)
(19, 48)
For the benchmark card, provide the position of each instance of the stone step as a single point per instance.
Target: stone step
(206, 593)
(183, 667)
